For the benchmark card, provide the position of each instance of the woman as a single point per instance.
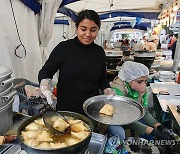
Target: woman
(81, 65)
(131, 82)
(152, 44)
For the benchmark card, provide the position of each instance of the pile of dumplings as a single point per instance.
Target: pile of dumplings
(38, 136)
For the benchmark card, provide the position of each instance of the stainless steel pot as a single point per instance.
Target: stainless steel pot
(78, 148)
(6, 99)
(144, 53)
(5, 78)
(5, 73)
(6, 95)
(6, 117)
(6, 84)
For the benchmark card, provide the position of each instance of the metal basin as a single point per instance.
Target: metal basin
(126, 110)
(78, 148)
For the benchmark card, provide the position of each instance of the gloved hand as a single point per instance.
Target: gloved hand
(46, 88)
(109, 91)
(164, 129)
(161, 135)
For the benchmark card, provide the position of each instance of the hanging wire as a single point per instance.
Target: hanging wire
(23, 55)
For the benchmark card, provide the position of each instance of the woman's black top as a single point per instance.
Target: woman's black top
(82, 72)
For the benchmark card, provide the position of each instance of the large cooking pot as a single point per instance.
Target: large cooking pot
(78, 148)
(145, 57)
(6, 117)
(6, 96)
(144, 53)
(5, 78)
(112, 61)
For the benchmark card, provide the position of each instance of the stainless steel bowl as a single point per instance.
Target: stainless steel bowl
(126, 110)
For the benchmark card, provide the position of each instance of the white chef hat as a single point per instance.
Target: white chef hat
(132, 70)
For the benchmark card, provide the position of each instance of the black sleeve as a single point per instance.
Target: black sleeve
(103, 82)
(54, 62)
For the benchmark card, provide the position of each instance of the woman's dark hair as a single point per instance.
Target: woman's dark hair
(88, 14)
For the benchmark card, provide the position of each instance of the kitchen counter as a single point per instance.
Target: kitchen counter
(166, 100)
(172, 88)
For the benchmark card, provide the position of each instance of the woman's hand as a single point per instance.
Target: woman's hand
(109, 91)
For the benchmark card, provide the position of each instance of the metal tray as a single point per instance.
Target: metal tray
(97, 143)
(126, 110)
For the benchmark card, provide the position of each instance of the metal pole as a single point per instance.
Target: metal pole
(177, 54)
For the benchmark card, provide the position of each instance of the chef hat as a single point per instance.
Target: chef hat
(132, 70)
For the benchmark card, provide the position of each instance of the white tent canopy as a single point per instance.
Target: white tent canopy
(28, 26)
(102, 6)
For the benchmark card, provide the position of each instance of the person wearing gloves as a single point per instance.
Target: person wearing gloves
(131, 82)
(81, 64)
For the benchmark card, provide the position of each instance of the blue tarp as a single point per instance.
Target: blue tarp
(65, 2)
(129, 27)
(145, 24)
(33, 5)
(147, 15)
(36, 7)
(64, 22)
(68, 12)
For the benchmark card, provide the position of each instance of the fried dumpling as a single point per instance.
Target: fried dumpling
(58, 145)
(40, 122)
(44, 145)
(30, 134)
(1, 140)
(107, 109)
(44, 136)
(54, 118)
(80, 135)
(73, 122)
(78, 127)
(32, 126)
(32, 142)
(60, 125)
(71, 141)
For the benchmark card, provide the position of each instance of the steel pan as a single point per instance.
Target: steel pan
(126, 110)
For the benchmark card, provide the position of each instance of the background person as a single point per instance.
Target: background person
(152, 44)
(131, 82)
(173, 46)
(81, 64)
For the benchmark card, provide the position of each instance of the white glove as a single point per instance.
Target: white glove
(109, 91)
(46, 88)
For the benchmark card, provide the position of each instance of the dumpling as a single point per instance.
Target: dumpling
(32, 126)
(72, 122)
(44, 136)
(30, 134)
(32, 142)
(44, 145)
(1, 140)
(40, 122)
(107, 110)
(78, 127)
(80, 135)
(60, 125)
(58, 145)
(54, 118)
(71, 141)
